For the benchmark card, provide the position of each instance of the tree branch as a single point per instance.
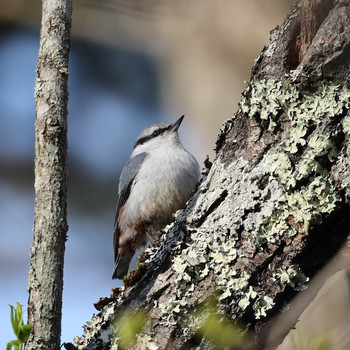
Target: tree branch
(45, 281)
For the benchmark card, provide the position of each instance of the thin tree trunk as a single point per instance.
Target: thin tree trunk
(45, 280)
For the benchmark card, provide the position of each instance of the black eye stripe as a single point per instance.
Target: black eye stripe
(156, 132)
(149, 137)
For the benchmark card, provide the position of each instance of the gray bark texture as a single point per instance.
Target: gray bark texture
(268, 214)
(45, 280)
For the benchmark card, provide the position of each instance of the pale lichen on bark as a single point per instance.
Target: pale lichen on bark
(243, 230)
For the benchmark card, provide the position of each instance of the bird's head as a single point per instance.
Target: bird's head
(158, 135)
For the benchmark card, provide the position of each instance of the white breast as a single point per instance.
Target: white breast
(163, 185)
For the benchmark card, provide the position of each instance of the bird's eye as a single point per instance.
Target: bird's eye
(156, 133)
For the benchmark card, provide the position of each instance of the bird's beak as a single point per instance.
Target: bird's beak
(175, 126)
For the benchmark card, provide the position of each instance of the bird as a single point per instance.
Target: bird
(157, 180)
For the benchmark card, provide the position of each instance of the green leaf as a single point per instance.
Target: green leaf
(19, 313)
(216, 327)
(14, 343)
(14, 321)
(221, 331)
(128, 326)
(24, 332)
(21, 331)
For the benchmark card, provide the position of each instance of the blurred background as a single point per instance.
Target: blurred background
(132, 63)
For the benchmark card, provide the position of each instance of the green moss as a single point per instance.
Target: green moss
(135, 274)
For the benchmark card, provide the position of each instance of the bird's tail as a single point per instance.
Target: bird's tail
(122, 264)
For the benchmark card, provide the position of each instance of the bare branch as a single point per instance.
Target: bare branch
(45, 281)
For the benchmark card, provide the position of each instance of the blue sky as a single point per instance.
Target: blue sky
(106, 113)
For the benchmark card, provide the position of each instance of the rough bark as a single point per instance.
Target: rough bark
(313, 13)
(45, 280)
(269, 213)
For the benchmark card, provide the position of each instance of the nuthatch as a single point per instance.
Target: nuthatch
(157, 180)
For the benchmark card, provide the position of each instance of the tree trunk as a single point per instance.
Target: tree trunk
(269, 213)
(313, 13)
(45, 280)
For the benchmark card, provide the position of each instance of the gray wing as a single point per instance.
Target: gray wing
(127, 176)
(126, 180)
